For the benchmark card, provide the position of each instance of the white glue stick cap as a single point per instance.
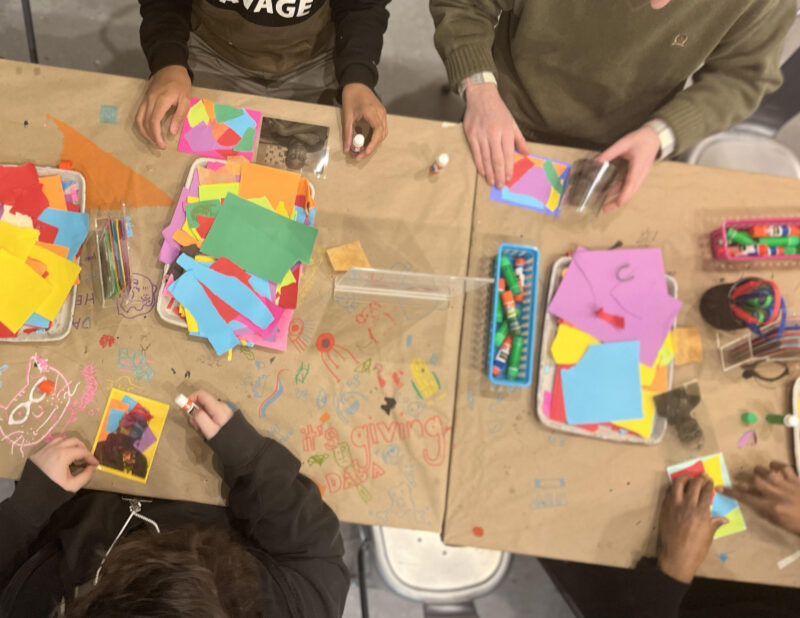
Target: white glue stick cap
(443, 159)
(358, 140)
(182, 400)
(791, 421)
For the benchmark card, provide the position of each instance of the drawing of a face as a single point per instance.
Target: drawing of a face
(31, 415)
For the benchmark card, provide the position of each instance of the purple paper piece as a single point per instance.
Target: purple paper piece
(171, 249)
(148, 438)
(629, 283)
(201, 140)
(194, 185)
(533, 183)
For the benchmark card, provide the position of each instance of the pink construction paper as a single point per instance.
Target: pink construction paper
(534, 183)
(276, 340)
(200, 140)
(171, 249)
(626, 282)
(194, 185)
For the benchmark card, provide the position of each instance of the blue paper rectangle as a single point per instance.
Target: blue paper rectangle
(722, 505)
(37, 321)
(604, 386)
(72, 228)
(114, 417)
(129, 401)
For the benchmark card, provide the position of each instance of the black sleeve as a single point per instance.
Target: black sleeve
(23, 515)
(282, 512)
(164, 32)
(360, 25)
(652, 593)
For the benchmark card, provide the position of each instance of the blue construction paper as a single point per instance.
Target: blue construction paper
(232, 291)
(72, 228)
(240, 124)
(114, 417)
(130, 401)
(604, 386)
(262, 287)
(722, 505)
(187, 291)
(108, 114)
(38, 321)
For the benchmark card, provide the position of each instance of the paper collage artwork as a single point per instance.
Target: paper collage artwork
(128, 435)
(219, 131)
(611, 305)
(714, 467)
(235, 247)
(536, 184)
(41, 234)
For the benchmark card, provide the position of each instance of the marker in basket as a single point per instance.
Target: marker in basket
(511, 312)
(358, 143)
(519, 271)
(761, 231)
(185, 404)
(501, 358)
(500, 335)
(498, 315)
(511, 278)
(515, 358)
(441, 162)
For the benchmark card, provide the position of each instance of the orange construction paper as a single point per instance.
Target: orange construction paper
(660, 383)
(274, 184)
(51, 186)
(183, 239)
(39, 267)
(57, 249)
(109, 181)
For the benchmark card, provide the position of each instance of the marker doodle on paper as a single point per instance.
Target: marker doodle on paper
(388, 405)
(348, 403)
(297, 336)
(140, 301)
(135, 362)
(317, 460)
(423, 379)
(322, 398)
(275, 394)
(326, 344)
(106, 341)
(302, 373)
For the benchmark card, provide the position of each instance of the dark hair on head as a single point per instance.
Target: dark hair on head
(180, 572)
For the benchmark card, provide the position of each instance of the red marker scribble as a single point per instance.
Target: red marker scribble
(106, 341)
(326, 344)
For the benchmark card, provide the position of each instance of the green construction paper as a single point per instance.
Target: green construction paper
(552, 176)
(258, 240)
(246, 143)
(223, 113)
(208, 208)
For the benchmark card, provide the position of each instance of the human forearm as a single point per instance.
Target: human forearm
(164, 32)
(360, 25)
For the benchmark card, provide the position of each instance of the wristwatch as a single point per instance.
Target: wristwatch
(666, 137)
(484, 77)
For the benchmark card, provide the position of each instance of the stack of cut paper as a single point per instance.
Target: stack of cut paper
(219, 131)
(236, 244)
(41, 233)
(714, 467)
(536, 184)
(613, 345)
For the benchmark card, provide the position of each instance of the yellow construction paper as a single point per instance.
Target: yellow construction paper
(197, 114)
(281, 210)
(667, 352)
(735, 524)
(191, 324)
(713, 469)
(51, 186)
(18, 241)
(643, 426)
(21, 291)
(348, 256)
(218, 191)
(61, 275)
(570, 344)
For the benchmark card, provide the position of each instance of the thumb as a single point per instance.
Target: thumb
(204, 423)
(717, 523)
(347, 127)
(519, 142)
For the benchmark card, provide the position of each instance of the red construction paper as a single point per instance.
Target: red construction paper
(226, 267)
(226, 312)
(47, 232)
(20, 189)
(520, 167)
(288, 299)
(204, 224)
(693, 471)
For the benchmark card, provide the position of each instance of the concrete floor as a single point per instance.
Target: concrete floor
(102, 36)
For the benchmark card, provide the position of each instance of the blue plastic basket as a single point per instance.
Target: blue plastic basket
(526, 309)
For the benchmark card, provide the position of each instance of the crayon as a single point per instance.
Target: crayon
(511, 278)
(500, 335)
(511, 312)
(760, 231)
(514, 358)
(501, 358)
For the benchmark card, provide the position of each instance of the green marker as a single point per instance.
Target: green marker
(739, 237)
(514, 358)
(748, 418)
(498, 314)
(510, 277)
(500, 335)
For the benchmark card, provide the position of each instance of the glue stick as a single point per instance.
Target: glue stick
(787, 420)
(185, 404)
(500, 334)
(519, 271)
(760, 231)
(515, 358)
(501, 358)
(511, 312)
(511, 278)
(441, 162)
(358, 143)
(498, 315)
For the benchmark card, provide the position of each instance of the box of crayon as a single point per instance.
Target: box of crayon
(747, 240)
(511, 342)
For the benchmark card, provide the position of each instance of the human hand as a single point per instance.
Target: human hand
(168, 87)
(209, 414)
(492, 133)
(686, 527)
(359, 102)
(773, 493)
(56, 458)
(640, 148)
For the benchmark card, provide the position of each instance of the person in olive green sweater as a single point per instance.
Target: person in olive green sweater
(606, 74)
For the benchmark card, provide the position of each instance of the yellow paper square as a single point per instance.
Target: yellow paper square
(61, 275)
(570, 344)
(197, 114)
(735, 524)
(21, 291)
(18, 241)
(345, 257)
(713, 469)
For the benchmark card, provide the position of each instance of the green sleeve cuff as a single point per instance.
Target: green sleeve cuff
(468, 60)
(685, 120)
